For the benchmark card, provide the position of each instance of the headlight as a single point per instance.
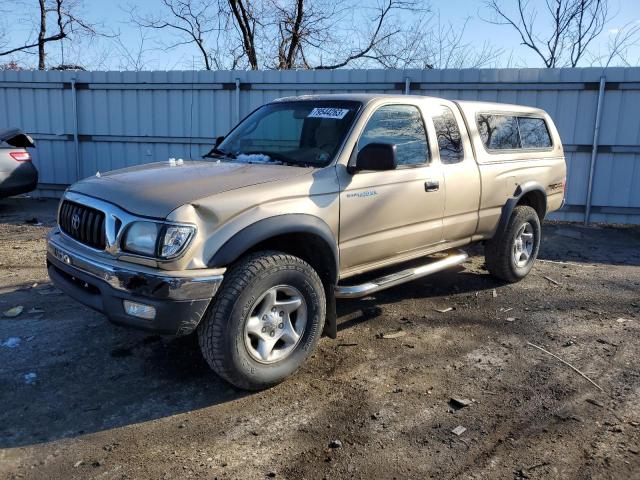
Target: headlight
(174, 239)
(141, 237)
(156, 239)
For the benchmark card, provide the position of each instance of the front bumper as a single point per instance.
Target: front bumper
(180, 299)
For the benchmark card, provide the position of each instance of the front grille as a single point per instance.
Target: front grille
(83, 223)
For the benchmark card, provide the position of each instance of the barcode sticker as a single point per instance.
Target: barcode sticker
(325, 112)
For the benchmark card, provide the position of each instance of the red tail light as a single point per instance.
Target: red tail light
(20, 156)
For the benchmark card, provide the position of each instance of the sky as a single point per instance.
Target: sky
(114, 16)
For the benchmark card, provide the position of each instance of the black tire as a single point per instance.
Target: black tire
(221, 334)
(499, 251)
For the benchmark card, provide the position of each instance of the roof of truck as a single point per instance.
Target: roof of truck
(468, 105)
(477, 106)
(362, 97)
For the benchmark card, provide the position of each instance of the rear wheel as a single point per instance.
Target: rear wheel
(265, 320)
(510, 255)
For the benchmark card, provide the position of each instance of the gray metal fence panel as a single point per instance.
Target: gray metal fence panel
(127, 118)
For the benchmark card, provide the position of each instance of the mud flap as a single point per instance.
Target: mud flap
(331, 319)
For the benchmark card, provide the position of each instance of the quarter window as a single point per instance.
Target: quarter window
(534, 133)
(509, 132)
(448, 134)
(499, 132)
(400, 125)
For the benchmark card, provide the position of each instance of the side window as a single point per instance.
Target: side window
(534, 133)
(499, 132)
(401, 125)
(449, 138)
(508, 132)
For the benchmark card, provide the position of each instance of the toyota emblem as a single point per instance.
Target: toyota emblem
(75, 221)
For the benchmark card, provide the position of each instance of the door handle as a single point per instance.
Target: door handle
(431, 186)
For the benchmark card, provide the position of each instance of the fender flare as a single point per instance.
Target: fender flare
(270, 227)
(507, 208)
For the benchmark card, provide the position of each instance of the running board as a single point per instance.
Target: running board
(393, 279)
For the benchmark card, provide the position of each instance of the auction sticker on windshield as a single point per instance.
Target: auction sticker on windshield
(326, 112)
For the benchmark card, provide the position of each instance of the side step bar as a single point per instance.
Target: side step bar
(393, 279)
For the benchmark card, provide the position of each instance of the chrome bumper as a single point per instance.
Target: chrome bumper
(144, 281)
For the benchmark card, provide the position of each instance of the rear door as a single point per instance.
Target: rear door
(460, 170)
(392, 214)
(16, 138)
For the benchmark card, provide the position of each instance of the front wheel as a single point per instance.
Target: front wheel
(266, 319)
(510, 255)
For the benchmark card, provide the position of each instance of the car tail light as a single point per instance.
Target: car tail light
(20, 156)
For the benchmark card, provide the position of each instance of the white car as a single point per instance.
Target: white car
(17, 172)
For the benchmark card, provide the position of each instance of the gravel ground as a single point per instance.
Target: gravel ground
(81, 398)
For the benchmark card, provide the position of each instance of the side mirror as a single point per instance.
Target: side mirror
(376, 156)
(219, 140)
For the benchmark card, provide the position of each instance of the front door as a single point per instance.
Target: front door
(392, 214)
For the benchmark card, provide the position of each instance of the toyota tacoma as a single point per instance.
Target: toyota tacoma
(299, 204)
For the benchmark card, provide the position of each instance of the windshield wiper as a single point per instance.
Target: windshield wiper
(215, 152)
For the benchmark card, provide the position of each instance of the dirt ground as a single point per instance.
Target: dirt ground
(81, 398)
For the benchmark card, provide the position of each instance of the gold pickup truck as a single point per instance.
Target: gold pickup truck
(295, 207)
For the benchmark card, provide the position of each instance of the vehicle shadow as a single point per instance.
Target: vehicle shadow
(92, 376)
(562, 244)
(73, 373)
(595, 244)
(439, 285)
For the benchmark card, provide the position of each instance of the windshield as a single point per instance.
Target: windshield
(305, 133)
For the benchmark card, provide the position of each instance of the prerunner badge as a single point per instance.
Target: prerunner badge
(325, 112)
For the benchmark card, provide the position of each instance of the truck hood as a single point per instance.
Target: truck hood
(155, 189)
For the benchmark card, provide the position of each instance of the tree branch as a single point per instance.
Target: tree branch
(574, 24)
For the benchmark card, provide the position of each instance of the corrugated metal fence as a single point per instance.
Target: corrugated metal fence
(90, 121)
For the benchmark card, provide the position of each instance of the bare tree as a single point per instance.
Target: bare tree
(133, 56)
(618, 48)
(382, 30)
(445, 47)
(4, 39)
(203, 23)
(243, 12)
(308, 31)
(395, 34)
(11, 65)
(66, 25)
(283, 34)
(430, 43)
(570, 26)
(293, 25)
